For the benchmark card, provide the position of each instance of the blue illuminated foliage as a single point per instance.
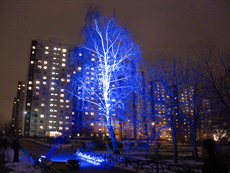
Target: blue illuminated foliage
(105, 65)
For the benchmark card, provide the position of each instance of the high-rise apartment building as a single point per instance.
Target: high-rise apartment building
(18, 109)
(48, 109)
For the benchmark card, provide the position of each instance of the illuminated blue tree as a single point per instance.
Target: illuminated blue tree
(106, 65)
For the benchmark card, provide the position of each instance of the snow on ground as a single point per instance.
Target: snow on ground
(24, 166)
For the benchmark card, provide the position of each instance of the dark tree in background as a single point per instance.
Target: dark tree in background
(111, 56)
(214, 67)
(168, 78)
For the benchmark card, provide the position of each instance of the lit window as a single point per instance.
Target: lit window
(32, 52)
(92, 113)
(30, 82)
(46, 47)
(50, 121)
(44, 83)
(61, 106)
(55, 48)
(74, 72)
(42, 104)
(53, 68)
(92, 68)
(41, 127)
(72, 113)
(66, 128)
(39, 66)
(79, 68)
(50, 127)
(67, 101)
(61, 100)
(63, 59)
(41, 116)
(44, 77)
(54, 58)
(66, 117)
(31, 62)
(63, 50)
(63, 65)
(86, 113)
(68, 80)
(28, 104)
(52, 83)
(51, 110)
(62, 79)
(46, 52)
(64, 55)
(62, 90)
(92, 124)
(60, 122)
(59, 48)
(80, 54)
(60, 128)
(93, 59)
(68, 75)
(67, 106)
(36, 109)
(62, 95)
(37, 82)
(52, 88)
(33, 47)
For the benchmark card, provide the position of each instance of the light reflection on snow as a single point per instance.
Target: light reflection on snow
(96, 160)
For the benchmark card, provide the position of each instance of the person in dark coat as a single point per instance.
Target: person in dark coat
(212, 164)
(16, 147)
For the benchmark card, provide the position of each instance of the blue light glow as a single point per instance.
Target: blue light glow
(40, 159)
(96, 160)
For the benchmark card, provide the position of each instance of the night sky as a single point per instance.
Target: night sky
(162, 28)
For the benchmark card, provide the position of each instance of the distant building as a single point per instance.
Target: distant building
(18, 110)
(48, 107)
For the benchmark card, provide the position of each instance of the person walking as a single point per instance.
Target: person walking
(212, 164)
(16, 146)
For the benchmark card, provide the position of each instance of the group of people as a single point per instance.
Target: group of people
(212, 163)
(15, 145)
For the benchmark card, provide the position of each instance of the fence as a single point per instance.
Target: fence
(138, 164)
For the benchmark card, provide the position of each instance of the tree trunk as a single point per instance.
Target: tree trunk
(195, 155)
(175, 145)
(147, 147)
(134, 117)
(113, 140)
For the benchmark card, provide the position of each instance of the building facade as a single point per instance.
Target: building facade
(48, 107)
(18, 110)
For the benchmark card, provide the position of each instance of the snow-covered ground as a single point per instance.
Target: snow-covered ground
(24, 166)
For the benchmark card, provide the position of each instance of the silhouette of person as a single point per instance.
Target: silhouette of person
(17, 147)
(212, 164)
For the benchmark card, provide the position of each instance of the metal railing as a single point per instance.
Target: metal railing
(149, 165)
